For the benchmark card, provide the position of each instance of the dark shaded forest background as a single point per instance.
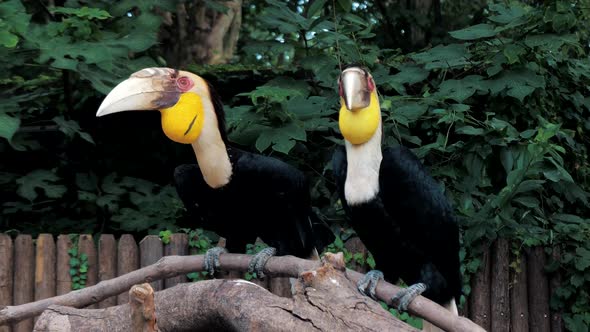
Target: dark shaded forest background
(492, 96)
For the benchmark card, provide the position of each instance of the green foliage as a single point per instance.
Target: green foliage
(78, 265)
(499, 114)
(361, 260)
(199, 242)
(403, 316)
(498, 109)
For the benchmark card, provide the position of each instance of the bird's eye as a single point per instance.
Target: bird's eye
(184, 83)
(340, 90)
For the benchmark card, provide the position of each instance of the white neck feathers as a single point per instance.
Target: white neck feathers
(211, 151)
(362, 176)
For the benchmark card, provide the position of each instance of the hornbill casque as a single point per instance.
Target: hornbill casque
(397, 209)
(237, 194)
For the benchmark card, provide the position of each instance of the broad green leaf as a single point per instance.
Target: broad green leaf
(529, 185)
(474, 32)
(410, 74)
(409, 112)
(469, 130)
(8, 126)
(82, 12)
(513, 52)
(506, 14)
(569, 218)
(71, 128)
(40, 179)
(450, 56)
(7, 39)
(281, 139)
(315, 7)
(506, 159)
(548, 42)
(518, 83)
(346, 5)
(527, 201)
(459, 90)
(15, 19)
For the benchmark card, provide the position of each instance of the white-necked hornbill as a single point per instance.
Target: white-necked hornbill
(397, 209)
(239, 195)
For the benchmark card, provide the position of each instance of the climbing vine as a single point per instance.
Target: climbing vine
(78, 264)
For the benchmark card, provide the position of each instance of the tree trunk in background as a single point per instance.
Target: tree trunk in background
(196, 33)
(417, 19)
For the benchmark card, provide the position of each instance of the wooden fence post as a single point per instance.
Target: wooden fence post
(86, 246)
(24, 282)
(45, 268)
(519, 305)
(150, 251)
(178, 246)
(6, 273)
(127, 261)
(64, 279)
(554, 283)
(538, 291)
(479, 299)
(107, 264)
(500, 297)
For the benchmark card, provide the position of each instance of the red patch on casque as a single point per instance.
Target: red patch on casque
(370, 84)
(184, 83)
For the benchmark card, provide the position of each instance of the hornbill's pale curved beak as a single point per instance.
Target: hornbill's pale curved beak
(355, 90)
(148, 89)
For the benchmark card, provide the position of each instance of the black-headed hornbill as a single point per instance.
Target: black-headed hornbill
(397, 209)
(237, 194)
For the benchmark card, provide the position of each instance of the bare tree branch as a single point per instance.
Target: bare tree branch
(170, 266)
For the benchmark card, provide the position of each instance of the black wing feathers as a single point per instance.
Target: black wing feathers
(427, 223)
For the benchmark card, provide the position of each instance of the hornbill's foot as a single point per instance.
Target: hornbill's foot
(406, 296)
(211, 263)
(259, 260)
(368, 283)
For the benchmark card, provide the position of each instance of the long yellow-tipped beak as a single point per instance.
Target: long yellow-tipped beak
(356, 94)
(141, 92)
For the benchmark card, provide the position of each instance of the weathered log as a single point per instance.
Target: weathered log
(538, 291)
(324, 301)
(107, 264)
(479, 299)
(276, 266)
(500, 296)
(143, 308)
(6, 256)
(519, 305)
(24, 283)
(127, 261)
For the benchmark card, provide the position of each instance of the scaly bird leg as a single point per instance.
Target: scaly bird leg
(368, 283)
(259, 260)
(406, 296)
(211, 263)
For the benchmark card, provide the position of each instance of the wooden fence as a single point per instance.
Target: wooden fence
(502, 298)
